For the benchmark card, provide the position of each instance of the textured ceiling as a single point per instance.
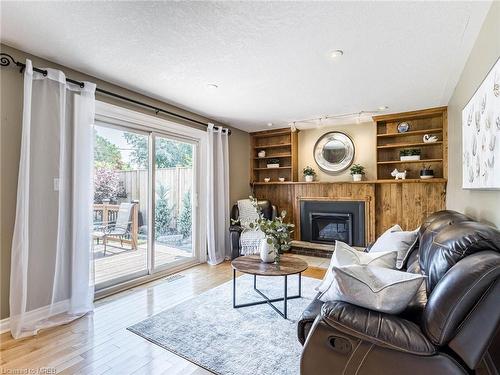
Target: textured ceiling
(270, 59)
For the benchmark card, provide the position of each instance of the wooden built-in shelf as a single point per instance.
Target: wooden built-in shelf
(390, 143)
(410, 144)
(281, 144)
(270, 169)
(410, 161)
(277, 156)
(272, 146)
(392, 181)
(414, 132)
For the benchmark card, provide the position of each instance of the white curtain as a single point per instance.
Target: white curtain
(51, 279)
(217, 195)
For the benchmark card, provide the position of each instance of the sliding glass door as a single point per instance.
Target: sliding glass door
(173, 201)
(144, 211)
(120, 210)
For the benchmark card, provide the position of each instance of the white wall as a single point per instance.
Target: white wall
(480, 204)
(364, 138)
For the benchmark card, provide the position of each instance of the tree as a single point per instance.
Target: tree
(185, 223)
(168, 153)
(107, 154)
(163, 212)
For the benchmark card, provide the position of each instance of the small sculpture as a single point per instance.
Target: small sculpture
(398, 175)
(430, 138)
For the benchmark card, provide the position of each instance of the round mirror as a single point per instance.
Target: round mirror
(334, 152)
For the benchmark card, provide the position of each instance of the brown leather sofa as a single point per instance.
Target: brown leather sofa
(448, 327)
(268, 211)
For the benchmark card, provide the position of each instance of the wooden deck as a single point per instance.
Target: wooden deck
(120, 262)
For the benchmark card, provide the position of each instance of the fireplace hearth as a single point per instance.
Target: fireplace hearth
(325, 222)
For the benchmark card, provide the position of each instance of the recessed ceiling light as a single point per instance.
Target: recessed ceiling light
(269, 124)
(212, 86)
(336, 54)
(383, 108)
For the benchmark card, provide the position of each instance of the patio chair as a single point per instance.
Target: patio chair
(119, 228)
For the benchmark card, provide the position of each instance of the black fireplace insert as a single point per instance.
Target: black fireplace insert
(328, 221)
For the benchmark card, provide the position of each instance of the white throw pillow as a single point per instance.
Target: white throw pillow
(345, 255)
(396, 239)
(375, 288)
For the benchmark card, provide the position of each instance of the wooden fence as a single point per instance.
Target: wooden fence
(178, 181)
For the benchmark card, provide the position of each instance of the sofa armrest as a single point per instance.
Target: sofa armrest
(234, 234)
(307, 318)
(236, 228)
(381, 329)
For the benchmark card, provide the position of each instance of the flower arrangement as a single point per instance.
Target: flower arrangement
(357, 169)
(309, 171)
(309, 174)
(276, 231)
(409, 152)
(273, 163)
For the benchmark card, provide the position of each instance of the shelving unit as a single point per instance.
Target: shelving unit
(281, 144)
(390, 142)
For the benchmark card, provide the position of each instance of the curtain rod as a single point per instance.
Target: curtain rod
(6, 60)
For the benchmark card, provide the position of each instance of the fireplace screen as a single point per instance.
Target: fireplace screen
(329, 227)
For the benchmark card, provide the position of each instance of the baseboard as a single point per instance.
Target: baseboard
(4, 325)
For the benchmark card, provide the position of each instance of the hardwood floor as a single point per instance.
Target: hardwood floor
(100, 344)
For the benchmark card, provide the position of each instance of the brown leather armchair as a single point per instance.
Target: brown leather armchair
(268, 211)
(448, 327)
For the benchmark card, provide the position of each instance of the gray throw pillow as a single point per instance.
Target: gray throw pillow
(345, 255)
(372, 287)
(396, 239)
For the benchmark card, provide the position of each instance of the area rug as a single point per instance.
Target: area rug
(207, 331)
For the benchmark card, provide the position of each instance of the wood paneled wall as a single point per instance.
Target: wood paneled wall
(404, 203)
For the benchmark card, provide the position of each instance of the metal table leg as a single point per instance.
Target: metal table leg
(268, 300)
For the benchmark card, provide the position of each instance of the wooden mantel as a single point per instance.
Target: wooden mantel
(403, 202)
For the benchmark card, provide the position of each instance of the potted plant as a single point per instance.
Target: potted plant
(409, 154)
(357, 172)
(426, 172)
(273, 163)
(278, 235)
(309, 174)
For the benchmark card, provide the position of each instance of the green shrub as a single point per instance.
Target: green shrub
(164, 212)
(184, 225)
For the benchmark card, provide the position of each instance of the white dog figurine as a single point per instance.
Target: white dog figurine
(398, 175)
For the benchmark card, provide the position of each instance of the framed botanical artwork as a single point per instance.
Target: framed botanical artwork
(481, 135)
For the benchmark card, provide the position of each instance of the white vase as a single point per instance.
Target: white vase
(357, 177)
(309, 178)
(410, 158)
(267, 251)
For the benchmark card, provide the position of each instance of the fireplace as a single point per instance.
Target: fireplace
(329, 227)
(325, 221)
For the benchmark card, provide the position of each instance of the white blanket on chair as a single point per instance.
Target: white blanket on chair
(249, 238)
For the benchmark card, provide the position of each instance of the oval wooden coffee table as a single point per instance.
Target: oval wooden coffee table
(252, 265)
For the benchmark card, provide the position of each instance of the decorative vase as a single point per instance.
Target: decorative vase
(410, 157)
(309, 178)
(357, 177)
(426, 174)
(267, 251)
